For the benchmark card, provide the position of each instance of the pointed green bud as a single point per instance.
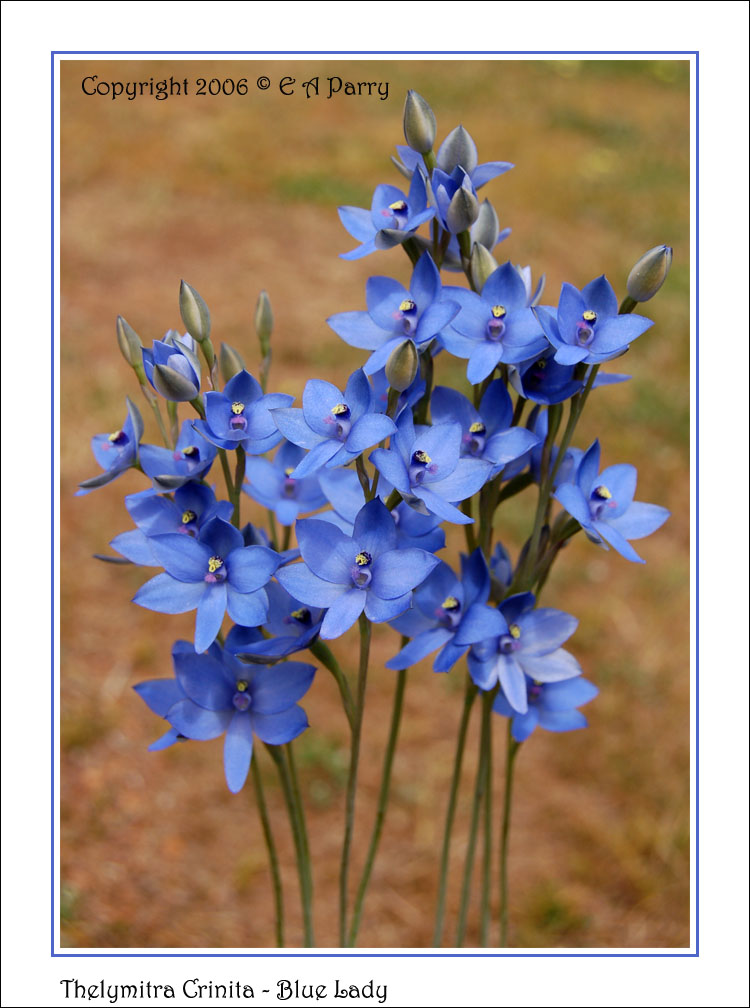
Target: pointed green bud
(129, 342)
(486, 229)
(419, 123)
(401, 366)
(649, 273)
(458, 149)
(172, 385)
(194, 312)
(483, 265)
(462, 211)
(264, 321)
(230, 362)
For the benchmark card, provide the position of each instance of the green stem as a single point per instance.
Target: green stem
(627, 305)
(229, 482)
(273, 530)
(306, 879)
(365, 632)
(287, 538)
(273, 859)
(160, 421)
(421, 414)
(479, 790)
(364, 480)
(174, 424)
(484, 913)
(299, 841)
(324, 654)
(518, 411)
(385, 786)
(469, 698)
(239, 476)
(510, 757)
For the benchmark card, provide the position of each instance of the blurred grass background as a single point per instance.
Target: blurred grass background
(236, 194)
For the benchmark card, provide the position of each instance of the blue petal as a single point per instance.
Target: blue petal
(194, 722)
(358, 330)
(384, 295)
(318, 399)
(524, 724)
(295, 428)
(202, 678)
(380, 610)
(316, 458)
(617, 541)
(561, 721)
(639, 520)
(569, 693)
(327, 551)
(302, 584)
(183, 557)
(136, 547)
(375, 529)
(441, 508)
(483, 361)
(469, 476)
(276, 729)
(160, 694)
(165, 594)
(513, 682)
(395, 573)
(251, 567)
(238, 750)
(210, 615)
(368, 430)
(357, 222)
(390, 465)
(552, 667)
(479, 623)
(248, 609)
(276, 689)
(574, 502)
(543, 630)
(600, 296)
(343, 613)
(417, 649)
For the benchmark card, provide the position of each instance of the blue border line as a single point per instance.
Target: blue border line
(347, 955)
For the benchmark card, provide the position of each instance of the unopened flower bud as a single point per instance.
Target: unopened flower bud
(264, 322)
(462, 211)
(649, 273)
(486, 229)
(483, 265)
(458, 148)
(419, 123)
(194, 312)
(128, 341)
(172, 385)
(230, 362)
(401, 366)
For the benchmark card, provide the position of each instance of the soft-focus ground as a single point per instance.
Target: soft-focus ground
(236, 194)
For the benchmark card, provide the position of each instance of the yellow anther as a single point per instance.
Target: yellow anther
(541, 364)
(514, 630)
(498, 310)
(187, 517)
(398, 205)
(190, 450)
(589, 315)
(477, 428)
(114, 436)
(407, 305)
(603, 492)
(422, 456)
(288, 471)
(340, 408)
(362, 559)
(214, 563)
(237, 408)
(450, 603)
(300, 614)
(241, 685)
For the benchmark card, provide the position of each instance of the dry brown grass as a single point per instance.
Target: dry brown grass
(239, 194)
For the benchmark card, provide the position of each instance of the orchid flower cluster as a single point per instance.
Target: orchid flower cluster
(384, 465)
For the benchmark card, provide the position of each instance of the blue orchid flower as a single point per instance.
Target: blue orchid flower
(193, 506)
(551, 706)
(603, 505)
(449, 614)
(395, 314)
(392, 219)
(586, 327)
(214, 574)
(190, 459)
(495, 327)
(426, 467)
(351, 574)
(222, 695)
(336, 426)
(528, 645)
(292, 626)
(272, 485)
(115, 452)
(173, 367)
(486, 433)
(345, 494)
(241, 415)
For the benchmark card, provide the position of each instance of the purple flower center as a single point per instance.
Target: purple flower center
(449, 613)
(396, 215)
(289, 486)
(360, 571)
(340, 418)
(585, 328)
(534, 691)
(496, 326)
(407, 315)
(475, 440)
(600, 502)
(238, 421)
(118, 439)
(421, 464)
(510, 642)
(217, 571)
(301, 616)
(242, 700)
(189, 523)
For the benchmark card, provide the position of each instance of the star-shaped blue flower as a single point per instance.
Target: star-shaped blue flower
(392, 219)
(529, 645)
(551, 706)
(351, 574)
(115, 452)
(214, 574)
(603, 505)
(336, 426)
(395, 314)
(190, 459)
(173, 364)
(241, 415)
(273, 486)
(426, 467)
(587, 327)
